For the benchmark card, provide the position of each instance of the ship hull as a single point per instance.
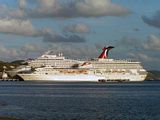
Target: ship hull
(82, 78)
(61, 78)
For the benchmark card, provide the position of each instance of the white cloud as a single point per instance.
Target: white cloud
(7, 53)
(25, 28)
(77, 28)
(153, 43)
(6, 12)
(48, 3)
(99, 8)
(76, 8)
(22, 4)
(75, 51)
(142, 57)
(17, 26)
(33, 50)
(45, 9)
(63, 9)
(24, 52)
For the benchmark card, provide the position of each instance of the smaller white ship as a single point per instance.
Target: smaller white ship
(4, 74)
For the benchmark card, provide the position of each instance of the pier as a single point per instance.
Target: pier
(9, 79)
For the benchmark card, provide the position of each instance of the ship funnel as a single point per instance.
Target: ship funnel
(104, 54)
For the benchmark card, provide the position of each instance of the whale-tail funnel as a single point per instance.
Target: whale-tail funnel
(104, 54)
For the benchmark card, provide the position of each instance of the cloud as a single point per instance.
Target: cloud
(153, 43)
(6, 12)
(145, 51)
(7, 53)
(22, 4)
(63, 38)
(31, 48)
(25, 28)
(77, 28)
(142, 57)
(75, 51)
(75, 8)
(34, 50)
(17, 27)
(23, 52)
(153, 21)
(148, 60)
(129, 43)
(99, 8)
(53, 37)
(48, 3)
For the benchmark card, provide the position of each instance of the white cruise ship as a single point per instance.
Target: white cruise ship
(58, 68)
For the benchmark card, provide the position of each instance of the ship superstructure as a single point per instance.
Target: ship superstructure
(57, 68)
(56, 61)
(119, 70)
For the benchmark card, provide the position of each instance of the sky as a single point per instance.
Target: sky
(81, 28)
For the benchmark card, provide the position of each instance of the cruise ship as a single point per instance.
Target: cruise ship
(102, 69)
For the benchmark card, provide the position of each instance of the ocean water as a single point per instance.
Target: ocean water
(80, 101)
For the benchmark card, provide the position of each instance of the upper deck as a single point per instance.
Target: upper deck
(114, 60)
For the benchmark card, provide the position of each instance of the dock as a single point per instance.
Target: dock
(9, 79)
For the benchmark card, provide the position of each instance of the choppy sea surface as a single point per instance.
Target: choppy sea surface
(80, 101)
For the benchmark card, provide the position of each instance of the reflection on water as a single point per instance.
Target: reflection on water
(80, 101)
